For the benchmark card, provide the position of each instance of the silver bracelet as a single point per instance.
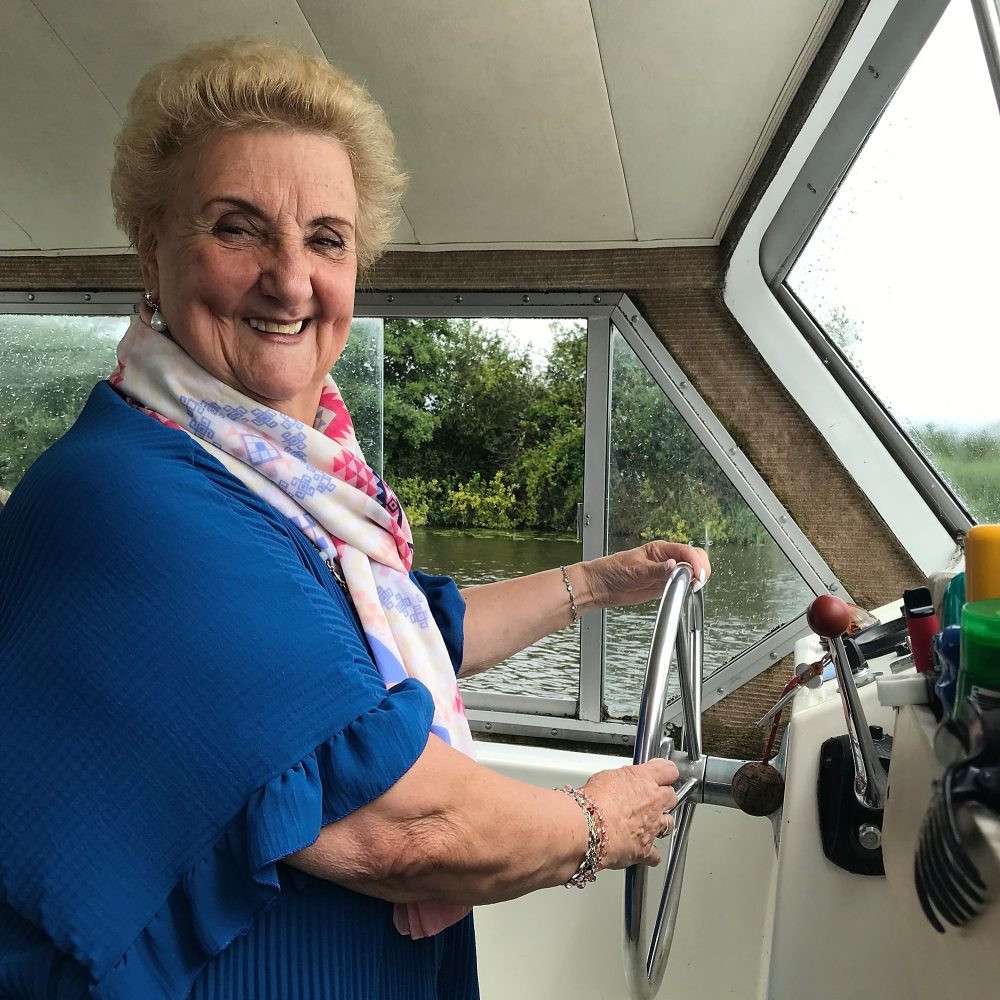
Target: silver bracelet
(597, 839)
(574, 611)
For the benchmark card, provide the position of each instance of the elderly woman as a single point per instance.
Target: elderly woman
(235, 761)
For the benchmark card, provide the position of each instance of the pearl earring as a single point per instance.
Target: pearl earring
(156, 321)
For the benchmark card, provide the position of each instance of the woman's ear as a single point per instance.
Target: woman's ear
(148, 266)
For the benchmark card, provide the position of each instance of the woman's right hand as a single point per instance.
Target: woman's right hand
(634, 800)
(453, 831)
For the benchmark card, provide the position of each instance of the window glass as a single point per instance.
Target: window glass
(48, 365)
(484, 425)
(358, 375)
(663, 483)
(901, 271)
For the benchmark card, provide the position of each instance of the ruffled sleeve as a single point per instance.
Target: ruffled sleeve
(221, 895)
(448, 608)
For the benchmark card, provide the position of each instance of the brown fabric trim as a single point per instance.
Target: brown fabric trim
(485, 270)
(90, 273)
(553, 270)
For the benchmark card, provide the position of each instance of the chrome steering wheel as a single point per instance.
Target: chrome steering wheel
(679, 628)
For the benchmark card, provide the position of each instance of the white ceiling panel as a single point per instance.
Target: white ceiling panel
(55, 154)
(500, 110)
(118, 40)
(692, 85)
(12, 235)
(404, 233)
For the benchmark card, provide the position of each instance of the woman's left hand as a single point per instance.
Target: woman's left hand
(504, 617)
(639, 575)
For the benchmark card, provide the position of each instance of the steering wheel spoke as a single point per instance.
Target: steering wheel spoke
(666, 915)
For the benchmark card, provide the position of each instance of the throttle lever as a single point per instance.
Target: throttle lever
(830, 617)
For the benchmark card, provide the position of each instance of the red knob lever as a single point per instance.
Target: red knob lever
(828, 616)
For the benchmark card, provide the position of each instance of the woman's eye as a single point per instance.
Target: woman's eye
(234, 228)
(328, 241)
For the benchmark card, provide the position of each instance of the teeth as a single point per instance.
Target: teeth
(266, 326)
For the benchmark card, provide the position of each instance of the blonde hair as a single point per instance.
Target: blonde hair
(241, 84)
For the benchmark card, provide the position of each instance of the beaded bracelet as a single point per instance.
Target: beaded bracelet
(597, 838)
(574, 611)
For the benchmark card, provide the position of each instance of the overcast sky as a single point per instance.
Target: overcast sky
(909, 246)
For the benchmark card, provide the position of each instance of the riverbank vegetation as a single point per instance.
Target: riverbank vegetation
(476, 434)
(970, 462)
(48, 365)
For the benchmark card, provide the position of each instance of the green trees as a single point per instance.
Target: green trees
(549, 470)
(663, 482)
(474, 435)
(48, 365)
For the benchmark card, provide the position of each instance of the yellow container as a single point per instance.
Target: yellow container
(982, 563)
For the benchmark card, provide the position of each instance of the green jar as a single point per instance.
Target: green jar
(954, 598)
(979, 675)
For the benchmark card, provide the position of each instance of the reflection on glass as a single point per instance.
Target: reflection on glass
(901, 272)
(484, 424)
(665, 484)
(48, 365)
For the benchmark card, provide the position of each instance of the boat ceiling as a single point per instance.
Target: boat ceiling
(566, 123)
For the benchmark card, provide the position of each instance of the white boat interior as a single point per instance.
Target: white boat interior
(758, 207)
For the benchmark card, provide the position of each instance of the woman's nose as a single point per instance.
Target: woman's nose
(286, 276)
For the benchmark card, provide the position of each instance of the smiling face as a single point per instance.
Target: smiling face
(254, 263)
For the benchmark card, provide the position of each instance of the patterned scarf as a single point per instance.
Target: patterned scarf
(318, 478)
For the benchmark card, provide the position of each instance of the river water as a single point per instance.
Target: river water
(752, 590)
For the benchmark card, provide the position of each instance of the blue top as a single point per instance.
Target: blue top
(187, 699)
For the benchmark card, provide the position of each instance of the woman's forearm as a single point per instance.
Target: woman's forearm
(452, 831)
(503, 618)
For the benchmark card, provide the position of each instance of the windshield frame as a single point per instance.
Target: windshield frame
(914, 501)
(815, 187)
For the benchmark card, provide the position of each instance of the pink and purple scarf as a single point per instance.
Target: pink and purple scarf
(318, 478)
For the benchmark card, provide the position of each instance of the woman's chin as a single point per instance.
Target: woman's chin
(293, 398)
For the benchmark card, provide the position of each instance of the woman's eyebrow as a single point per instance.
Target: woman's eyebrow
(333, 221)
(251, 209)
(241, 203)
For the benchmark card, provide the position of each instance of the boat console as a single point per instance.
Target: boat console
(824, 900)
